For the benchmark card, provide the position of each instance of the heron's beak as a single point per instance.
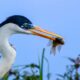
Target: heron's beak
(44, 33)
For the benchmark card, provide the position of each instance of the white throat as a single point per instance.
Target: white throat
(8, 53)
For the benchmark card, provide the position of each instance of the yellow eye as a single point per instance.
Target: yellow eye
(27, 26)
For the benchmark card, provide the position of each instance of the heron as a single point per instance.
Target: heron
(17, 24)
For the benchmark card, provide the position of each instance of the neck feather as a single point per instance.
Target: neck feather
(7, 52)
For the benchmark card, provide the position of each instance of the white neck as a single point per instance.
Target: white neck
(8, 53)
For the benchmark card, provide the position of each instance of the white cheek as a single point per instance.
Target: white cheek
(22, 31)
(14, 29)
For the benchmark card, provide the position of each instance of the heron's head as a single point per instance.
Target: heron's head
(24, 25)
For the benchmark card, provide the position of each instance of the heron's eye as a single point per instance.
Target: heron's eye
(27, 26)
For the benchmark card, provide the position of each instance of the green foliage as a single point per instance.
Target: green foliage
(72, 71)
(20, 72)
(41, 65)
